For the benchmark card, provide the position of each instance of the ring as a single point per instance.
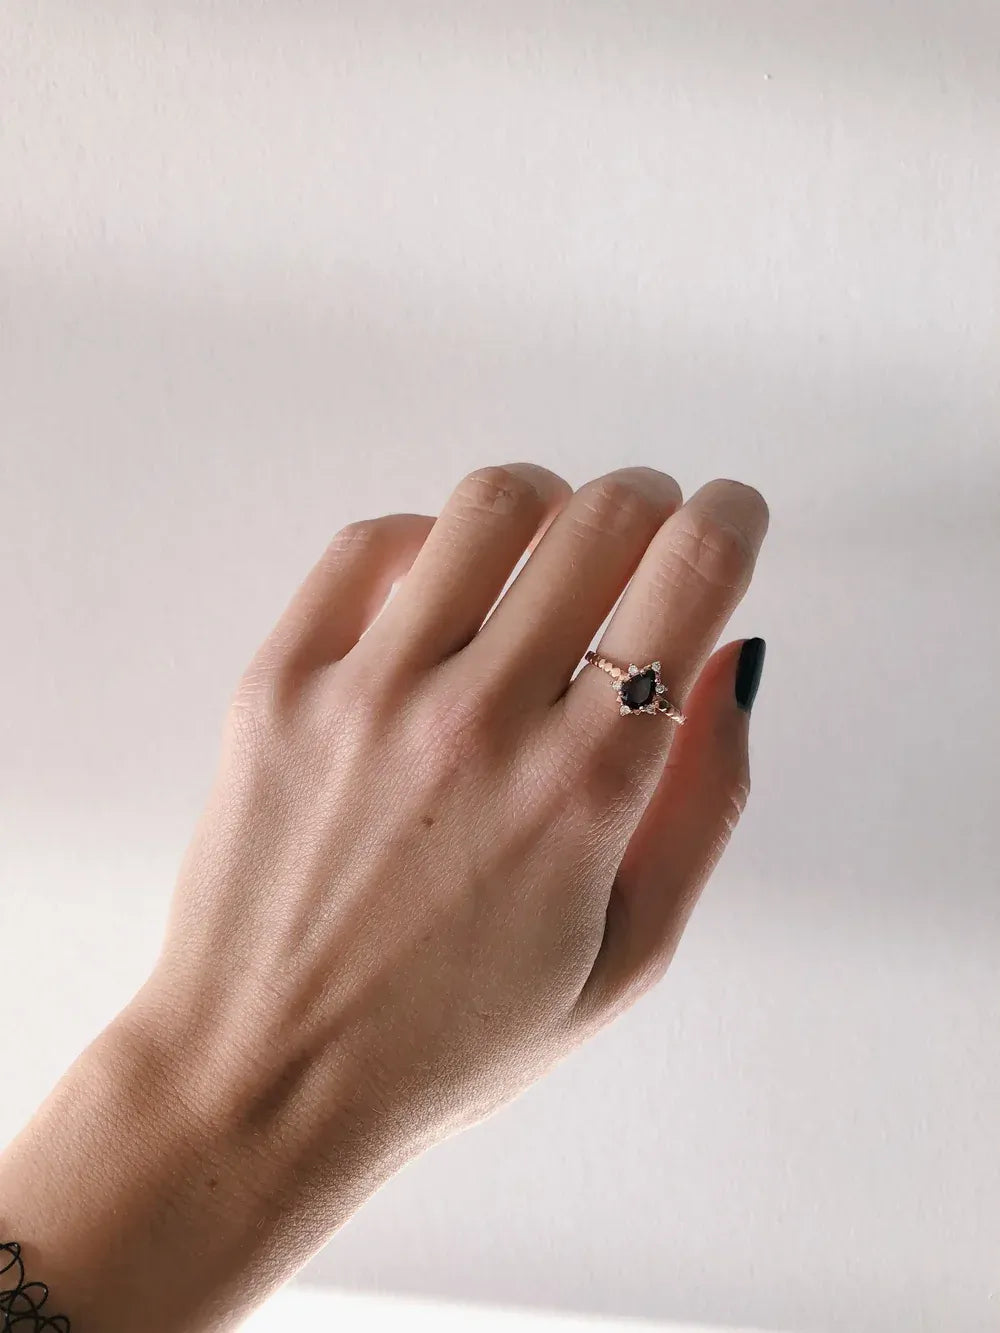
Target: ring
(639, 689)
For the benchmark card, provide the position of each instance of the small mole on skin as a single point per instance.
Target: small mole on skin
(212, 1184)
(428, 821)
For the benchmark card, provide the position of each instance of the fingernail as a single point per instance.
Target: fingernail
(748, 672)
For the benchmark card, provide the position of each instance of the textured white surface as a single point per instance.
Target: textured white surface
(265, 268)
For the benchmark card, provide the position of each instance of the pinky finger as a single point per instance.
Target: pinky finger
(681, 836)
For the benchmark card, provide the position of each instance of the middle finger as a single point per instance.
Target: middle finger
(547, 618)
(689, 583)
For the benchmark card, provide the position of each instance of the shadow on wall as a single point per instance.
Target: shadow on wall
(256, 422)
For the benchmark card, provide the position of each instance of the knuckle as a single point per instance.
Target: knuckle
(749, 497)
(606, 781)
(494, 490)
(618, 506)
(256, 708)
(449, 732)
(737, 796)
(359, 695)
(353, 710)
(360, 535)
(752, 493)
(717, 553)
(352, 545)
(580, 927)
(273, 681)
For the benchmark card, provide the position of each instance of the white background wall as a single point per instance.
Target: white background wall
(265, 268)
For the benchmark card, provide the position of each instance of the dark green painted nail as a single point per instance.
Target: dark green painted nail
(748, 672)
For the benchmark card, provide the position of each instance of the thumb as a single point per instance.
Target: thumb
(680, 838)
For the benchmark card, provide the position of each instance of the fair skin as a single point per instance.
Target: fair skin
(432, 864)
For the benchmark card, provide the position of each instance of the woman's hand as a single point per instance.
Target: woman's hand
(435, 861)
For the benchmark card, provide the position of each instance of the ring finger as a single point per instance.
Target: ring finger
(690, 580)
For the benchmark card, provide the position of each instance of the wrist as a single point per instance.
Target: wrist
(152, 1190)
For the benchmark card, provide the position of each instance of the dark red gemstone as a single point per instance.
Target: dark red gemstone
(639, 691)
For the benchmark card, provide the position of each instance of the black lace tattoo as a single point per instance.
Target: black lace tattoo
(21, 1304)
